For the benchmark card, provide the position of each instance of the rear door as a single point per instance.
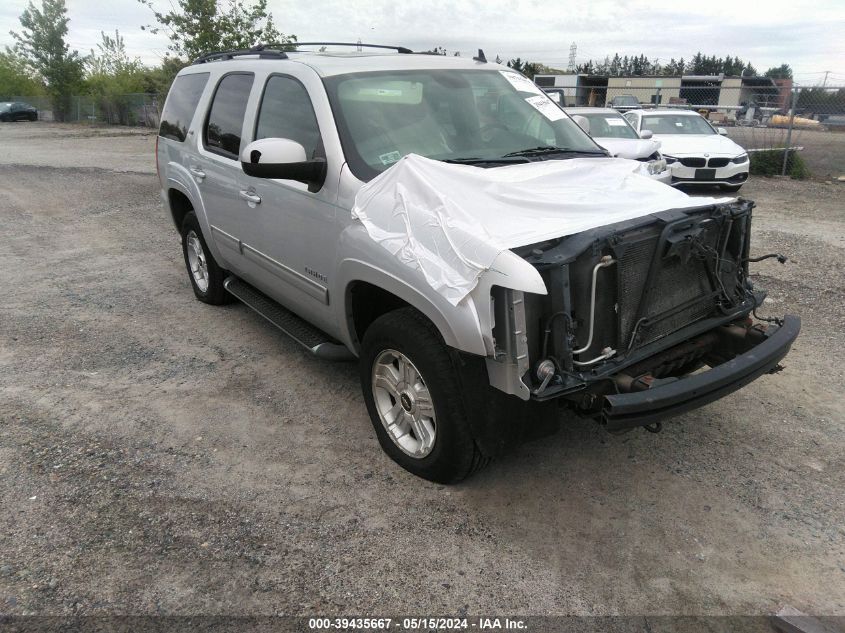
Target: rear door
(216, 167)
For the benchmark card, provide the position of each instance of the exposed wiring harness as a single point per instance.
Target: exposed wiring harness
(548, 331)
(781, 258)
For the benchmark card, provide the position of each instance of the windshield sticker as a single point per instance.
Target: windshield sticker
(521, 83)
(616, 122)
(389, 158)
(546, 107)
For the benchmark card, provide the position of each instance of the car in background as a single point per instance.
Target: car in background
(17, 111)
(613, 132)
(624, 103)
(697, 153)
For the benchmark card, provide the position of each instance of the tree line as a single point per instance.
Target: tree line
(41, 63)
(698, 64)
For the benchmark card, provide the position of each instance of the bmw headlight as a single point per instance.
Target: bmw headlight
(742, 158)
(656, 166)
(669, 159)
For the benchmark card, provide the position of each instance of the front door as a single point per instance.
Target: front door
(293, 233)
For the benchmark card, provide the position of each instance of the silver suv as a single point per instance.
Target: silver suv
(260, 156)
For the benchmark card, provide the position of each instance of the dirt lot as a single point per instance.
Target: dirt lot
(158, 455)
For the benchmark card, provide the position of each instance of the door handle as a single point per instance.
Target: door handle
(198, 173)
(250, 197)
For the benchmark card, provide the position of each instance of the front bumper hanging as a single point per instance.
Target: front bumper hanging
(641, 408)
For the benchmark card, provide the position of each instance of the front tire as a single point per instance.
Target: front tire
(205, 275)
(413, 396)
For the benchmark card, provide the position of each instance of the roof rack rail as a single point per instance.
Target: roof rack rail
(263, 51)
(398, 49)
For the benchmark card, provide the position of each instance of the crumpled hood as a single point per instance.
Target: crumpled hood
(450, 221)
(633, 148)
(697, 144)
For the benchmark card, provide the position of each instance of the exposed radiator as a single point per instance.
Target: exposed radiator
(681, 290)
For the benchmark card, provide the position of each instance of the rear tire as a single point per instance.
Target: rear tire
(205, 275)
(414, 399)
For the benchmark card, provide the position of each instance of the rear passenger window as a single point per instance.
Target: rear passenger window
(226, 119)
(286, 112)
(181, 105)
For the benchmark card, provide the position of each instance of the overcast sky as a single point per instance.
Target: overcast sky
(808, 36)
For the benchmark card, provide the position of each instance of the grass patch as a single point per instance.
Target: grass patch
(770, 163)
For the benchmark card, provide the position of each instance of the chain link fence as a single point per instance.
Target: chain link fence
(127, 109)
(798, 131)
(786, 130)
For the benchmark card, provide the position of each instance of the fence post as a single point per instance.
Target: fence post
(789, 132)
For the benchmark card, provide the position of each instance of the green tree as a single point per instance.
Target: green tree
(779, 72)
(112, 76)
(111, 57)
(17, 78)
(748, 70)
(41, 43)
(201, 26)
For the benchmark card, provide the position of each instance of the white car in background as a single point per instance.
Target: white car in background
(697, 152)
(610, 130)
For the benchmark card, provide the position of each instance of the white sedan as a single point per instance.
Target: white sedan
(697, 152)
(612, 132)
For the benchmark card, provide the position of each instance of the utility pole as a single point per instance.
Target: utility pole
(824, 83)
(573, 49)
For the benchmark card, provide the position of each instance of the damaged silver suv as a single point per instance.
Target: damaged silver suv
(445, 223)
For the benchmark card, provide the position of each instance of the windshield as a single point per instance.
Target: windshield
(445, 115)
(676, 124)
(5, 106)
(608, 126)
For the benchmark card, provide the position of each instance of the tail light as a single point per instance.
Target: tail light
(158, 172)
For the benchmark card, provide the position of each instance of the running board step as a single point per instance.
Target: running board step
(313, 339)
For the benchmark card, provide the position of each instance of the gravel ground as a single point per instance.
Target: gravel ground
(158, 455)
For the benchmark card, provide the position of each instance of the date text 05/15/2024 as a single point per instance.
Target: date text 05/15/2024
(414, 624)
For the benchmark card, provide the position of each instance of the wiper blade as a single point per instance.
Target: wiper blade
(548, 149)
(473, 160)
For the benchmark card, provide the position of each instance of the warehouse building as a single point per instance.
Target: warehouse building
(708, 91)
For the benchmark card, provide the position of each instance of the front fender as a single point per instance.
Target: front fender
(361, 259)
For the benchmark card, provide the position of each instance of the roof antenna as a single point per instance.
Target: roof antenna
(480, 57)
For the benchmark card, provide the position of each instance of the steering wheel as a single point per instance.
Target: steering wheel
(486, 131)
